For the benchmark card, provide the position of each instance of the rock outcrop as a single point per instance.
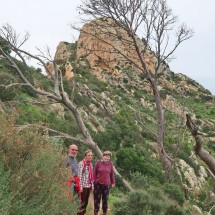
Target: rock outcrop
(195, 183)
(62, 53)
(69, 71)
(108, 48)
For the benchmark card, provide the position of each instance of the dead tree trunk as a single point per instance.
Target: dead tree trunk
(198, 148)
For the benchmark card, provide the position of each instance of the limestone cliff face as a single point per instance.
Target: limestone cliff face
(195, 183)
(62, 53)
(97, 44)
(108, 47)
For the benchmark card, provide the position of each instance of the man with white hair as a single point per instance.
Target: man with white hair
(73, 163)
(71, 160)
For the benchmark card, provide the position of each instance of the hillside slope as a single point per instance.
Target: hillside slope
(118, 107)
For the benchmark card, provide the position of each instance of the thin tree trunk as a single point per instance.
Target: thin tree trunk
(161, 129)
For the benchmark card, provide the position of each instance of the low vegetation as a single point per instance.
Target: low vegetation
(32, 178)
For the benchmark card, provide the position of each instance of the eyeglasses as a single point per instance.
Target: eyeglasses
(74, 150)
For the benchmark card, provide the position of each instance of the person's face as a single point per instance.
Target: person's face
(89, 156)
(106, 158)
(73, 150)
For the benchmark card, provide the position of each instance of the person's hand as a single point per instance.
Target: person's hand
(81, 190)
(113, 185)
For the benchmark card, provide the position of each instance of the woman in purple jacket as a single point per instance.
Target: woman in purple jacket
(103, 178)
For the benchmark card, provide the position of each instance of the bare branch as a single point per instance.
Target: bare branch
(13, 84)
(25, 80)
(62, 134)
(209, 213)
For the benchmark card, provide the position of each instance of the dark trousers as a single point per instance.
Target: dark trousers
(101, 191)
(84, 201)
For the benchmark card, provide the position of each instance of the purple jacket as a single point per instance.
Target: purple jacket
(103, 173)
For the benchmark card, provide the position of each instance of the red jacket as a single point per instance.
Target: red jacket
(76, 181)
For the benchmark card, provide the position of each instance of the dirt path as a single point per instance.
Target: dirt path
(90, 207)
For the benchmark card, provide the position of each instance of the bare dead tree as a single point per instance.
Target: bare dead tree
(203, 154)
(58, 94)
(152, 21)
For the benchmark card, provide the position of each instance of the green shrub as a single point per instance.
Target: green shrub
(211, 145)
(37, 181)
(206, 98)
(203, 90)
(192, 82)
(176, 210)
(206, 129)
(150, 202)
(129, 132)
(212, 111)
(175, 192)
(136, 160)
(175, 77)
(109, 139)
(139, 180)
(29, 113)
(5, 196)
(5, 45)
(10, 93)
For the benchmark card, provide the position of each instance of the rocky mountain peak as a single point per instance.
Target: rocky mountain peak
(108, 48)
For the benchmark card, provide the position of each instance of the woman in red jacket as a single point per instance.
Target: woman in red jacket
(103, 178)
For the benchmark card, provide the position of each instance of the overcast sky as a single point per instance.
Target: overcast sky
(48, 22)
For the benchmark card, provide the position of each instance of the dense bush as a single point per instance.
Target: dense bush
(129, 131)
(136, 160)
(109, 139)
(86, 77)
(28, 113)
(140, 180)
(211, 145)
(149, 202)
(175, 77)
(206, 98)
(32, 178)
(175, 192)
(4, 45)
(5, 195)
(10, 93)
